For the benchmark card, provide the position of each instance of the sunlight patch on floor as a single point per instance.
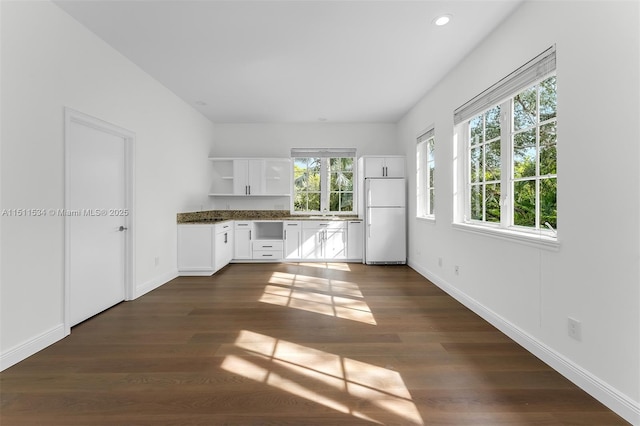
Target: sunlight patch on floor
(348, 386)
(340, 299)
(323, 265)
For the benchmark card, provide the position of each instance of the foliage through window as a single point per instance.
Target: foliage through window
(510, 167)
(520, 134)
(425, 167)
(323, 183)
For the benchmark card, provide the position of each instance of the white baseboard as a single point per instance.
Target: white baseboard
(618, 402)
(154, 283)
(32, 346)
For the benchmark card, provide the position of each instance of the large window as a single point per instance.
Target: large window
(425, 167)
(510, 151)
(323, 180)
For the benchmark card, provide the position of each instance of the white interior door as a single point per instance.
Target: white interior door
(96, 221)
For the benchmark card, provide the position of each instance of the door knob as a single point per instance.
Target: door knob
(122, 228)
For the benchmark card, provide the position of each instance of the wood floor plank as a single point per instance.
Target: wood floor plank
(292, 344)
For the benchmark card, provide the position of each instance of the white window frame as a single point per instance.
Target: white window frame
(325, 154)
(530, 74)
(425, 208)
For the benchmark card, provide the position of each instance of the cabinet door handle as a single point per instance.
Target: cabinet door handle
(267, 246)
(225, 238)
(249, 189)
(249, 234)
(285, 234)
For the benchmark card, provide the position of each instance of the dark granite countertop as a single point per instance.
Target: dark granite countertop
(217, 216)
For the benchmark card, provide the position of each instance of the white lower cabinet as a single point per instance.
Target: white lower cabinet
(355, 240)
(267, 250)
(204, 249)
(292, 239)
(267, 243)
(324, 240)
(196, 250)
(243, 231)
(223, 247)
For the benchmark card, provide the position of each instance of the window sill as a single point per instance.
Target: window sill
(430, 219)
(542, 241)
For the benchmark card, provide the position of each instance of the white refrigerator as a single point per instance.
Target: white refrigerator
(385, 221)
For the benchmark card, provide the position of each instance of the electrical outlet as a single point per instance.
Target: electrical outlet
(440, 262)
(157, 260)
(574, 328)
(456, 270)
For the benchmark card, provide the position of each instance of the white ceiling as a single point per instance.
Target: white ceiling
(296, 60)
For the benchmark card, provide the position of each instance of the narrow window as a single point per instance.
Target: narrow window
(425, 168)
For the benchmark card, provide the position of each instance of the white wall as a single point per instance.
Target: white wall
(594, 277)
(50, 61)
(276, 140)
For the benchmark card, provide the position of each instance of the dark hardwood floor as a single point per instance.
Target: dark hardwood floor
(292, 344)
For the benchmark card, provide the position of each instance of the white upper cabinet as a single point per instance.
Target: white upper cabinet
(251, 176)
(248, 177)
(384, 166)
(277, 176)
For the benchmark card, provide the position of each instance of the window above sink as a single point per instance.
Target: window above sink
(323, 182)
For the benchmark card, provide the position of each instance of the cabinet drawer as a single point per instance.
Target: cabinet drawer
(267, 245)
(324, 224)
(267, 254)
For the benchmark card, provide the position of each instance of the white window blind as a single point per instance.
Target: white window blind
(526, 75)
(426, 135)
(322, 152)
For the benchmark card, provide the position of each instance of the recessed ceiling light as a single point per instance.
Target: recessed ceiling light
(442, 20)
(201, 103)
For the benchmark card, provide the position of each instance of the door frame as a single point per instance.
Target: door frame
(72, 116)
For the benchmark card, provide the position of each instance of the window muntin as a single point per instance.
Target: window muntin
(323, 184)
(512, 162)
